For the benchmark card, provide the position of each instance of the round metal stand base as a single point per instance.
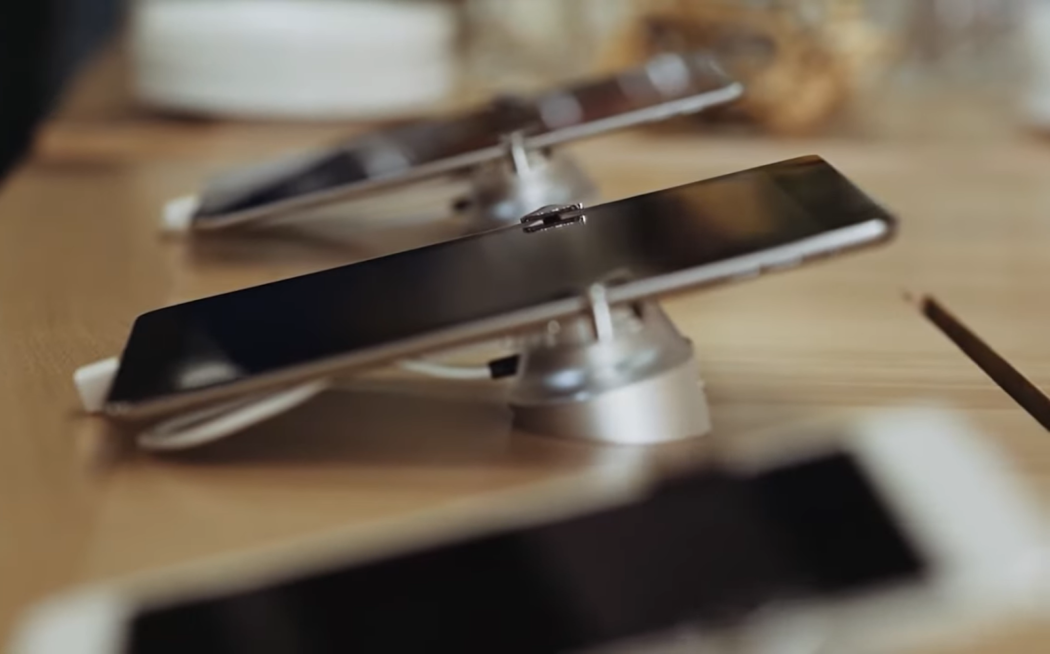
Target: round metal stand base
(638, 385)
(668, 407)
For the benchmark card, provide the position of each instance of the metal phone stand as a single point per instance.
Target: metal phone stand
(505, 189)
(620, 375)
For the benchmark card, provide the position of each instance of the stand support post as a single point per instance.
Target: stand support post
(504, 190)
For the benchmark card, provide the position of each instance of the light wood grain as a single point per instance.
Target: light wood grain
(80, 257)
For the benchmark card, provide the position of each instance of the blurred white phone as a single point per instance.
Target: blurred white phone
(903, 529)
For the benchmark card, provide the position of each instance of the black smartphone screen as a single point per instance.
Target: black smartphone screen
(390, 153)
(344, 311)
(707, 549)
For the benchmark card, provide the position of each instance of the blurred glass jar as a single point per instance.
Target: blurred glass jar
(295, 59)
(1035, 101)
(525, 45)
(891, 68)
(964, 40)
(960, 71)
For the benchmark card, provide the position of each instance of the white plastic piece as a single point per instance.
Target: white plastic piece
(297, 59)
(93, 382)
(444, 370)
(216, 422)
(1035, 33)
(92, 621)
(177, 216)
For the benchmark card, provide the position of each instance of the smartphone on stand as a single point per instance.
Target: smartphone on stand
(504, 281)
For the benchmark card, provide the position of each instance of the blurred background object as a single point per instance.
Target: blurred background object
(890, 69)
(966, 39)
(961, 72)
(523, 46)
(1036, 102)
(294, 59)
(873, 68)
(41, 45)
(802, 61)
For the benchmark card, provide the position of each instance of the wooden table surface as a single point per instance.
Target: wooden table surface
(80, 257)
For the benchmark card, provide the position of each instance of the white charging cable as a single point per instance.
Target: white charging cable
(445, 371)
(212, 423)
(216, 422)
(506, 366)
